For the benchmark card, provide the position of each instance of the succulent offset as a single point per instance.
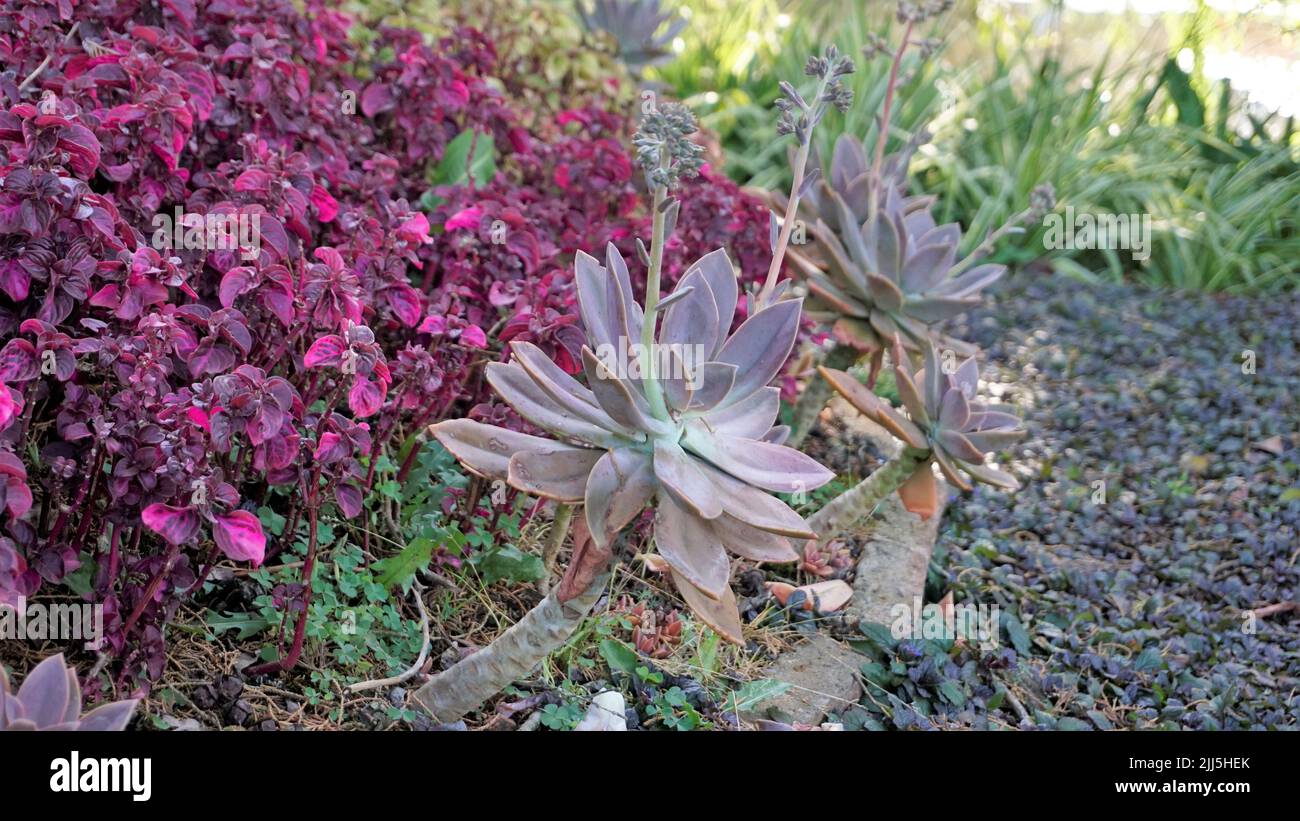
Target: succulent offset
(698, 439)
(883, 270)
(943, 419)
(50, 699)
(635, 25)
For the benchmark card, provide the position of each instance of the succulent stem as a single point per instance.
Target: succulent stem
(559, 529)
(816, 393)
(858, 502)
(449, 695)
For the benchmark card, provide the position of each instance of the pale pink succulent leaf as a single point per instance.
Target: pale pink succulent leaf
(751, 543)
(760, 347)
(691, 548)
(485, 449)
(621, 484)
(557, 472)
(680, 474)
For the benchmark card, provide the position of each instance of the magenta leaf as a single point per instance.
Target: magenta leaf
(175, 524)
(366, 397)
(239, 535)
(327, 351)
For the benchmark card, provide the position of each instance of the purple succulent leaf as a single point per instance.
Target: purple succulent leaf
(693, 320)
(626, 407)
(938, 308)
(884, 293)
(750, 418)
(760, 347)
(830, 293)
(992, 476)
(912, 399)
(713, 382)
(772, 467)
(513, 384)
(777, 435)
(557, 472)
(621, 484)
(927, 267)
(691, 548)
(680, 474)
(970, 283)
(44, 694)
(110, 717)
(720, 274)
(959, 446)
(848, 161)
(954, 411)
(567, 394)
(755, 508)
(882, 238)
(992, 441)
(721, 614)
(967, 378)
(485, 449)
(73, 709)
(751, 543)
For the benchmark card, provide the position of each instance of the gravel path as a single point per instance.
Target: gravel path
(1122, 604)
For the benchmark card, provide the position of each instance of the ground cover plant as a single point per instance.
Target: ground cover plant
(420, 366)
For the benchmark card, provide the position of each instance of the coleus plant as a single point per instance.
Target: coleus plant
(678, 415)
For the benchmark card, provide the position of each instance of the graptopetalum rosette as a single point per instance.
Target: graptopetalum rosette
(944, 424)
(694, 432)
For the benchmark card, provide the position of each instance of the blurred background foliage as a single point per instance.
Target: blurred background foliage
(1181, 109)
(1184, 111)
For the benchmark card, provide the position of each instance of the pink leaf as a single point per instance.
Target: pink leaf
(405, 302)
(328, 350)
(175, 524)
(433, 324)
(465, 218)
(473, 336)
(366, 397)
(327, 208)
(233, 284)
(349, 499)
(239, 535)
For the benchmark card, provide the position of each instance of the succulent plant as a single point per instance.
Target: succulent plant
(50, 699)
(636, 26)
(943, 420)
(697, 439)
(883, 270)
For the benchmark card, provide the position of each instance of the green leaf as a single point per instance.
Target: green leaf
(952, 693)
(1072, 725)
(509, 563)
(401, 569)
(1148, 659)
(1016, 632)
(459, 168)
(619, 656)
(759, 690)
(246, 624)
